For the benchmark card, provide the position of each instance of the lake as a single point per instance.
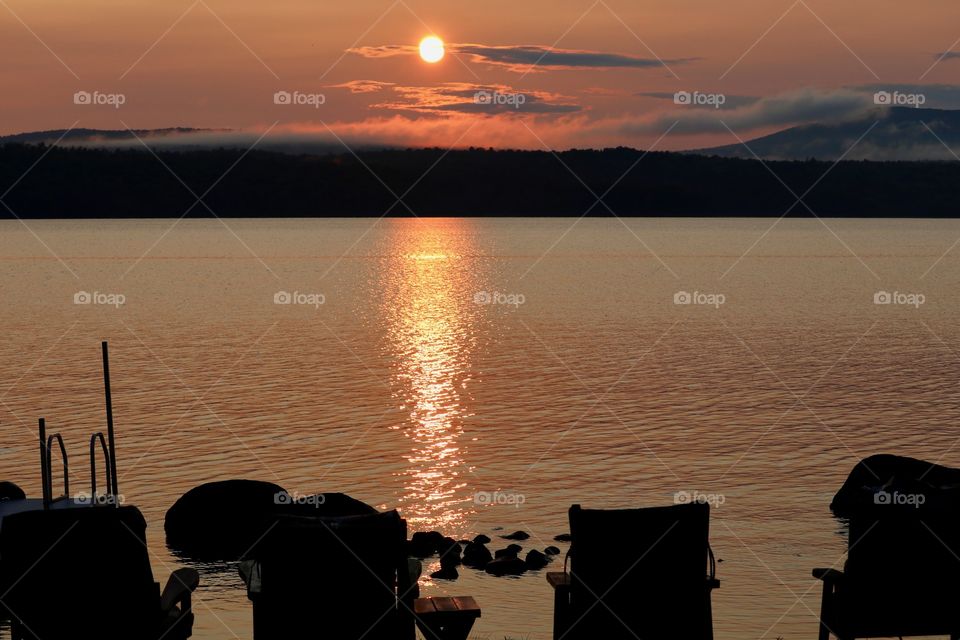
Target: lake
(417, 364)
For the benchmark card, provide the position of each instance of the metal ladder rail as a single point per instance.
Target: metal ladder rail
(48, 498)
(93, 464)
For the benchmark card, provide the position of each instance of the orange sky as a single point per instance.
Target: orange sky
(608, 76)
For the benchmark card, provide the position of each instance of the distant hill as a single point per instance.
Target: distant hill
(94, 136)
(899, 134)
(181, 138)
(130, 183)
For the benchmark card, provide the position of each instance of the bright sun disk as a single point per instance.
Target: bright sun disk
(431, 49)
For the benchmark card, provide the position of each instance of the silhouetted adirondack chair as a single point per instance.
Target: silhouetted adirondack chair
(900, 578)
(644, 573)
(344, 578)
(84, 572)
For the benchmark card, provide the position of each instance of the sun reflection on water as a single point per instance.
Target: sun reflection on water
(430, 331)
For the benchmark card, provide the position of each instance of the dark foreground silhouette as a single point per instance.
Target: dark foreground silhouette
(882, 483)
(84, 572)
(348, 571)
(78, 567)
(660, 586)
(900, 574)
(225, 520)
(96, 183)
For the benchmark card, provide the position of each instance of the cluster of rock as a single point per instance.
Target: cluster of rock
(475, 554)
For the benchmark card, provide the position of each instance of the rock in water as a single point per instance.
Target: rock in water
(516, 535)
(10, 491)
(326, 505)
(563, 537)
(508, 566)
(552, 551)
(449, 553)
(223, 520)
(448, 573)
(424, 544)
(512, 550)
(476, 556)
(536, 560)
(482, 539)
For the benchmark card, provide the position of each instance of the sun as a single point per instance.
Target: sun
(431, 49)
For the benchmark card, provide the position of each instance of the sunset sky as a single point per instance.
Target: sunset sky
(591, 73)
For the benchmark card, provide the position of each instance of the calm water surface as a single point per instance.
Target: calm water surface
(540, 357)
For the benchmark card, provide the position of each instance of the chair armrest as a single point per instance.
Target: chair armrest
(828, 575)
(180, 585)
(408, 581)
(558, 579)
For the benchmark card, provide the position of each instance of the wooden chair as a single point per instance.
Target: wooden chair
(900, 579)
(85, 573)
(636, 573)
(345, 578)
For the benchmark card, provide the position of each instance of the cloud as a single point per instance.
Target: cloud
(783, 110)
(384, 51)
(947, 55)
(439, 115)
(747, 115)
(936, 96)
(528, 58)
(478, 99)
(362, 86)
(524, 58)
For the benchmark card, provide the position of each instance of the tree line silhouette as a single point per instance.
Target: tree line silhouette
(104, 183)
